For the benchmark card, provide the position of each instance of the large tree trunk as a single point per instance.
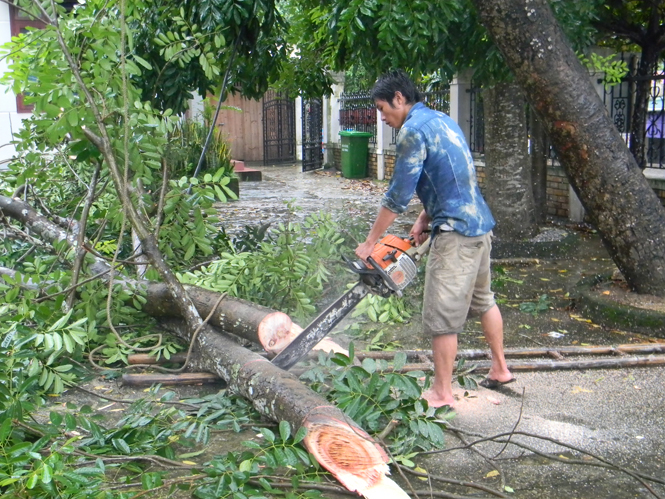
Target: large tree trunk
(601, 170)
(507, 168)
(338, 444)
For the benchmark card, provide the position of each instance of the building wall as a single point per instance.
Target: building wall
(10, 120)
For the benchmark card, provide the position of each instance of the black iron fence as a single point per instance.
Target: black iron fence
(357, 110)
(476, 121)
(620, 100)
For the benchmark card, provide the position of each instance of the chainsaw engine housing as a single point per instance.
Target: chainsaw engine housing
(391, 267)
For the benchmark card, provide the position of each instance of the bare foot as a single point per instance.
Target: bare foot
(436, 401)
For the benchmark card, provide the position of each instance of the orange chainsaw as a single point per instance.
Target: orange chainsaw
(389, 269)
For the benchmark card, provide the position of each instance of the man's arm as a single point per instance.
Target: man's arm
(384, 219)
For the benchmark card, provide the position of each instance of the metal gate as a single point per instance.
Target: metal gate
(620, 100)
(312, 134)
(279, 128)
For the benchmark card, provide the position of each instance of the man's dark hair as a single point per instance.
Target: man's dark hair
(395, 81)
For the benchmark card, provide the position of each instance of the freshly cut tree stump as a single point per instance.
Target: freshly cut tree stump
(351, 456)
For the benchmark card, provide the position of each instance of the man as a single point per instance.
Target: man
(434, 161)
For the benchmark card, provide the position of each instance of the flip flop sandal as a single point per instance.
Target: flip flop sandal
(493, 384)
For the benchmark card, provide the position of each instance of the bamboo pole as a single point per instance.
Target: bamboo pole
(641, 348)
(483, 366)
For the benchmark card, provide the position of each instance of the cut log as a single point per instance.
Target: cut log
(233, 315)
(271, 329)
(355, 459)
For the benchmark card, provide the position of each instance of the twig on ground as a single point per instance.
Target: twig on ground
(461, 483)
(129, 401)
(519, 418)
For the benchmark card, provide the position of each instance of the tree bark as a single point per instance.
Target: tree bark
(507, 168)
(601, 170)
(539, 156)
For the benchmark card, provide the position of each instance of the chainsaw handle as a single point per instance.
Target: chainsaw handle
(418, 252)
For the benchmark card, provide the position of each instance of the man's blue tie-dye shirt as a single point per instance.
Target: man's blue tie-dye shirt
(434, 161)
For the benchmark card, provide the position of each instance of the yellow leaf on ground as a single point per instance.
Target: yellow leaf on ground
(606, 292)
(579, 389)
(421, 470)
(561, 456)
(555, 320)
(544, 279)
(492, 473)
(192, 463)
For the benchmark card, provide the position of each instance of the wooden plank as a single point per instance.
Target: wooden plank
(169, 379)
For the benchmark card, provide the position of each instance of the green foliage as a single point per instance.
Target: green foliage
(502, 278)
(386, 310)
(374, 337)
(44, 461)
(614, 70)
(248, 474)
(188, 223)
(186, 144)
(287, 272)
(189, 44)
(542, 304)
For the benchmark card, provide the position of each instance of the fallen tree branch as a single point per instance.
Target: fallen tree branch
(129, 401)
(483, 366)
(461, 483)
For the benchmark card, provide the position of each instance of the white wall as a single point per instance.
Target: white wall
(10, 120)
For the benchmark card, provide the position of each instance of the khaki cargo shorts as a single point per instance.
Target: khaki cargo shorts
(457, 281)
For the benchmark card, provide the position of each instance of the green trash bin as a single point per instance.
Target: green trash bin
(354, 153)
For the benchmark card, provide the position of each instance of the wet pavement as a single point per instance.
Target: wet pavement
(615, 414)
